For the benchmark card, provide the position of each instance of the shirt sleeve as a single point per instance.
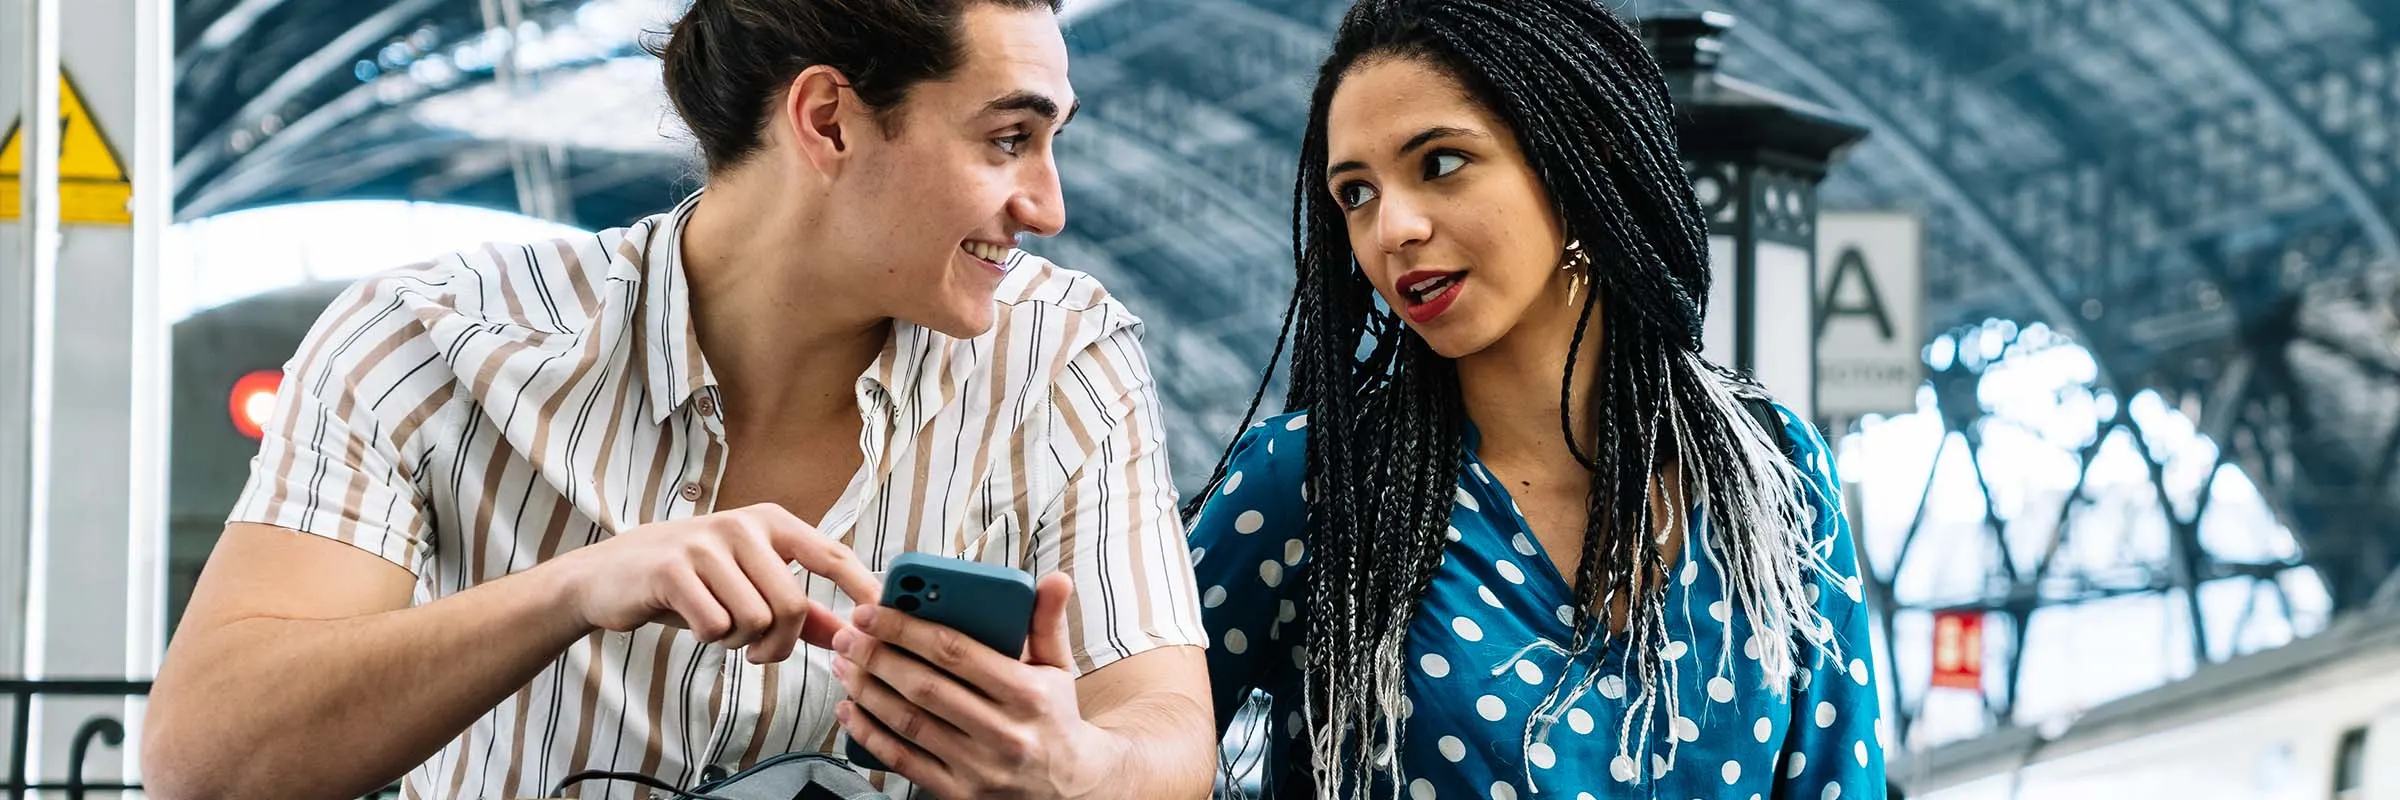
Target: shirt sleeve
(1832, 751)
(1247, 549)
(331, 456)
(1114, 529)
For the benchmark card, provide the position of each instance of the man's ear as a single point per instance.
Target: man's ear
(821, 113)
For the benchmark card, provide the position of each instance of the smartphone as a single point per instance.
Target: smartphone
(990, 604)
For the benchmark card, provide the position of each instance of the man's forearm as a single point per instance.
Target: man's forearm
(1166, 747)
(265, 707)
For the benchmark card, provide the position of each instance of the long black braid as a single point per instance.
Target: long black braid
(1592, 114)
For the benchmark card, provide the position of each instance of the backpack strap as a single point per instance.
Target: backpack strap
(1764, 412)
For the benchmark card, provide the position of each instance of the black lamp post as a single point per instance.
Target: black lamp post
(1755, 157)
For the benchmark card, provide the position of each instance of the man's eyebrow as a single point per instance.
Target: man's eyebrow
(1036, 102)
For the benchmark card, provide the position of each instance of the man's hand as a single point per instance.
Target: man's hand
(724, 576)
(993, 726)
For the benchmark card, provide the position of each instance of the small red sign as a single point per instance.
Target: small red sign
(1958, 649)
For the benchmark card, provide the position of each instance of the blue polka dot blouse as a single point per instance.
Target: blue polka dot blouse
(1490, 640)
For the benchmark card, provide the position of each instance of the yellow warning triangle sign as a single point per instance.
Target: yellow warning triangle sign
(91, 181)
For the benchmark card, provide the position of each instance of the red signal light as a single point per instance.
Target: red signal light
(253, 400)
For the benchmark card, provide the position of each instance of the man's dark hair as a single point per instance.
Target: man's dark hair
(726, 60)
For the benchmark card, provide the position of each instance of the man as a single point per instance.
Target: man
(489, 477)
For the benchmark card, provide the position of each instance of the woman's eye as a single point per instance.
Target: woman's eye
(1353, 195)
(1441, 164)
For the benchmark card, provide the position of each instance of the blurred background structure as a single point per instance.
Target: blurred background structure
(2126, 493)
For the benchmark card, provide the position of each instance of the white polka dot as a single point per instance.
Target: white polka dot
(1812, 594)
(1249, 522)
(1232, 482)
(1833, 791)
(1491, 707)
(1622, 769)
(1612, 687)
(1524, 545)
(1296, 423)
(1585, 796)
(1197, 554)
(1807, 676)
(1721, 611)
(1673, 650)
(1862, 752)
(1408, 708)
(1691, 571)
(1764, 730)
(1754, 647)
(1720, 690)
(1287, 612)
(1658, 766)
(1293, 723)
(1529, 672)
(1215, 596)
(1686, 729)
(1733, 772)
(1850, 587)
(1502, 791)
(1236, 642)
(1481, 475)
(1826, 715)
(1271, 451)
(1799, 762)
(1435, 665)
(1292, 550)
(1489, 599)
(1271, 571)
(1420, 789)
(1467, 629)
(1452, 534)
(1541, 755)
(1452, 749)
(1300, 658)
(1508, 569)
(1468, 500)
(1858, 671)
(1566, 616)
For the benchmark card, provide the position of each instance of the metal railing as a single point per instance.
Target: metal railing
(103, 728)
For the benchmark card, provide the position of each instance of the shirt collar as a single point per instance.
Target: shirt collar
(669, 345)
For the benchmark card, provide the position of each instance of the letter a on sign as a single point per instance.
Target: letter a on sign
(91, 181)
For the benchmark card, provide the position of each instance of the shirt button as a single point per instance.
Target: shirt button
(691, 491)
(706, 405)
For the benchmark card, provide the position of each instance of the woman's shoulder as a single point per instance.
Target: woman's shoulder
(1262, 483)
(1276, 446)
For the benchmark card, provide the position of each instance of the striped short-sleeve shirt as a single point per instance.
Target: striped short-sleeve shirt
(480, 414)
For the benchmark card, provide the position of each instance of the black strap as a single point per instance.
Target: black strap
(1764, 412)
(629, 777)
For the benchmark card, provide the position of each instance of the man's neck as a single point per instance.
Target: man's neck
(770, 306)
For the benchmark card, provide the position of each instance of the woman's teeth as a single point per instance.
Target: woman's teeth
(1425, 291)
(988, 252)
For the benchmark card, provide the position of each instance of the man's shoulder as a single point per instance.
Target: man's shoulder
(1035, 282)
(1042, 301)
(551, 286)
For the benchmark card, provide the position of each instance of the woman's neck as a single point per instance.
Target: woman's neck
(1511, 391)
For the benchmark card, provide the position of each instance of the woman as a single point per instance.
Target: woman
(1495, 343)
